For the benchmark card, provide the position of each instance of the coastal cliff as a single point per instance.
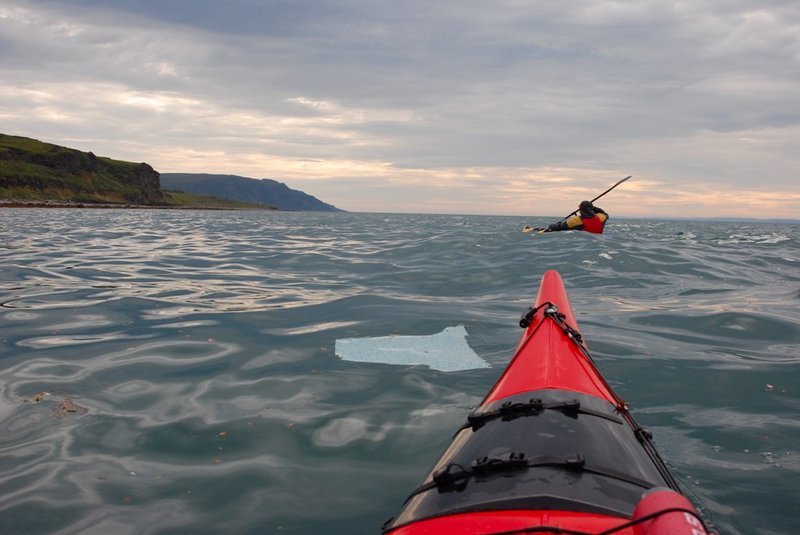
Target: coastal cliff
(31, 170)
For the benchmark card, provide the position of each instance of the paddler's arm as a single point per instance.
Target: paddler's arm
(571, 223)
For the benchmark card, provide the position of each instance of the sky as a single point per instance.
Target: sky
(502, 107)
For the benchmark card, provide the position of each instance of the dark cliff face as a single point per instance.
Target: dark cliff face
(148, 181)
(151, 180)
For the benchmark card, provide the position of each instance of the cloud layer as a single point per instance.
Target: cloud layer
(503, 107)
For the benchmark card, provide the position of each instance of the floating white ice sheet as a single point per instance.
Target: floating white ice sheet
(447, 351)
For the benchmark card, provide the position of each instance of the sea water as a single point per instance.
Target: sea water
(166, 371)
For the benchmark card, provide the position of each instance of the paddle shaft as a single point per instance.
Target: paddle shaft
(606, 191)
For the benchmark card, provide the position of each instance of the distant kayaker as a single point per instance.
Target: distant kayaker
(589, 217)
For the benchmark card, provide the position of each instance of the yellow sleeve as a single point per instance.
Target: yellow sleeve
(574, 222)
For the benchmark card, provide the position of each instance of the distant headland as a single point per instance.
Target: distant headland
(43, 175)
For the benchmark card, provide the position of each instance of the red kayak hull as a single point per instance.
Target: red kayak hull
(551, 447)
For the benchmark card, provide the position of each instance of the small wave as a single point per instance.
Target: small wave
(754, 238)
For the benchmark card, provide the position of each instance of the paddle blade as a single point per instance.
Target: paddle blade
(527, 230)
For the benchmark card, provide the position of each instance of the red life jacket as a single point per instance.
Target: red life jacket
(593, 224)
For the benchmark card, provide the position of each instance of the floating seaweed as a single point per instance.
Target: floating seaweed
(66, 407)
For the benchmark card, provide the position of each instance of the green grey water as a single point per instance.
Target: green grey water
(201, 346)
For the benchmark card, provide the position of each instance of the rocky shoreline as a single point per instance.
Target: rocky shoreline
(18, 203)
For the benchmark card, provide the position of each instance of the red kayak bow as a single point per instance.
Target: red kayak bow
(551, 449)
